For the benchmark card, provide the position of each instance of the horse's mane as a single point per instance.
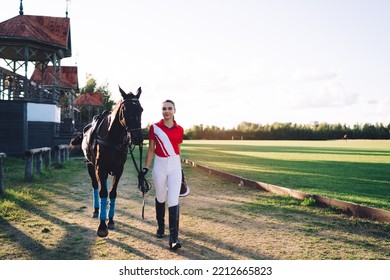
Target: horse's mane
(114, 113)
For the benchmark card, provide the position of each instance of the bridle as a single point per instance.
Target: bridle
(132, 119)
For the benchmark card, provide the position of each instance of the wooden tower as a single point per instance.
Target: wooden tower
(30, 109)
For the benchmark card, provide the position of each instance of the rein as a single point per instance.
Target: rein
(143, 185)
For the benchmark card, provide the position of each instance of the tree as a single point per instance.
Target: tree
(290, 131)
(107, 102)
(91, 87)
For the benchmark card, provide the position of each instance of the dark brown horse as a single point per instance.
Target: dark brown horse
(105, 145)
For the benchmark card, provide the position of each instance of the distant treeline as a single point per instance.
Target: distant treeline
(289, 131)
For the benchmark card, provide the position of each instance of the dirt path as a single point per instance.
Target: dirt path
(219, 220)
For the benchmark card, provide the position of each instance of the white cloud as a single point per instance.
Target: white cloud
(372, 101)
(236, 61)
(322, 95)
(314, 74)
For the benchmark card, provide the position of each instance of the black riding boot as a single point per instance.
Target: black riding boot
(160, 216)
(174, 243)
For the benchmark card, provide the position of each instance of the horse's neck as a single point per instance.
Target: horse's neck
(116, 131)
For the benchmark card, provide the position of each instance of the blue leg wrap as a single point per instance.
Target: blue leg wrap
(105, 184)
(111, 213)
(103, 209)
(96, 198)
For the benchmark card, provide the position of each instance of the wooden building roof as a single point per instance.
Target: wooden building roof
(69, 77)
(89, 99)
(38, 32)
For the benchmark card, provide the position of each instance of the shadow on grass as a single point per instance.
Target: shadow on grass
(224, 206)
(72, 246)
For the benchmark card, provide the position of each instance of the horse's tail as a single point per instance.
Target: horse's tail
(76, 141)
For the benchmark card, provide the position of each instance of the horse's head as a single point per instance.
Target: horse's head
(130, 115)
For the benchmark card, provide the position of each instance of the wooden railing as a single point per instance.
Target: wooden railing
(35, 160)
(36, 157)
(42, 156)
(61, 154)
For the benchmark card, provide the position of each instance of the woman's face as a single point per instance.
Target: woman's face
(168, 110)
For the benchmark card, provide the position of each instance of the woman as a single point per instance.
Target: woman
(165, 137)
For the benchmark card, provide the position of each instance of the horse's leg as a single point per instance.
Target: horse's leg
(111, 212)
(95, 189)
(103, 194)
(113, 194)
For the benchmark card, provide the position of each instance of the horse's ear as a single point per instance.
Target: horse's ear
(122, 92)
(139, 91)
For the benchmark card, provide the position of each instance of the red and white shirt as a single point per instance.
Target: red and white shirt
(167, 139)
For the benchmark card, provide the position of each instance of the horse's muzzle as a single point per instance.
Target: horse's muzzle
(137, 137)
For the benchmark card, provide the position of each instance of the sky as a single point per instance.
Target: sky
(227, 61)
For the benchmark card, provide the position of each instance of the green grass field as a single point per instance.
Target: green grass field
(49, 218)
(354, 170)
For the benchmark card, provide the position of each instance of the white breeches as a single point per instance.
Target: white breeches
(167, 179)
